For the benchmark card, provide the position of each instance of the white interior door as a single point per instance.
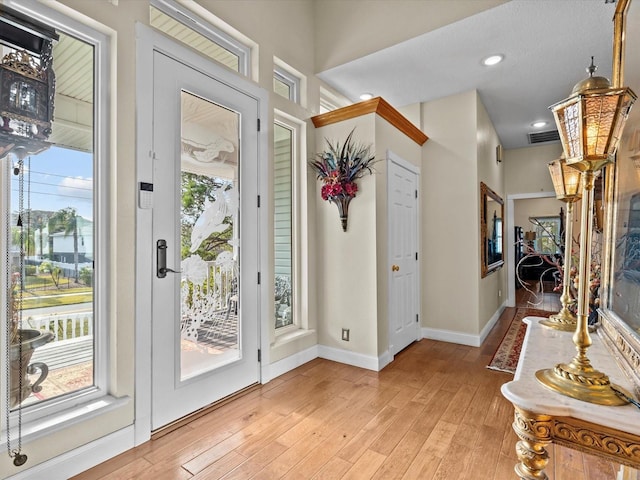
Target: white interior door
(404, 327)
(205, 229)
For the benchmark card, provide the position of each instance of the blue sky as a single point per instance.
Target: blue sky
(60, 178)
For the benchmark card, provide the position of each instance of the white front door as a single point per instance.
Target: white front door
(404, 326)
(205, 301)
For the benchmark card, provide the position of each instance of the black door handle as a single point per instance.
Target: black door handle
(161, 259)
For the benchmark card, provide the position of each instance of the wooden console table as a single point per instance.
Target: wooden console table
(543, 416)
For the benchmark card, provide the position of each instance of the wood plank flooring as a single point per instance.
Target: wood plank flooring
(435, 412)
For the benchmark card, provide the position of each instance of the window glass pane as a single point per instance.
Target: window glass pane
(283, 142)
(190, 37)
(51, 241)
(547, 234)
(281, 88)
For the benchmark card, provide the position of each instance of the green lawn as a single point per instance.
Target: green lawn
(42, 292)
(53, 300)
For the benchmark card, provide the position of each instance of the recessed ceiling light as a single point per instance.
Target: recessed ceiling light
(492, 60)
(539, 124)
(366, 96)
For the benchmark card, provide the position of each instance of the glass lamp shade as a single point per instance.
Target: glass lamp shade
(566, 180)
(590, 123)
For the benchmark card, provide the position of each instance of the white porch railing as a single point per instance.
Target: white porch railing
(64, 326)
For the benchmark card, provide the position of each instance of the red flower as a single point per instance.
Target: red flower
(351, 188)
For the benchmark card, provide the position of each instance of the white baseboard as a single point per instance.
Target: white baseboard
(350, 358)
(385, 359)
(289, 363)
(335, 354)
(451, 336)
(491, 323)
(80, 459)
(463, 338)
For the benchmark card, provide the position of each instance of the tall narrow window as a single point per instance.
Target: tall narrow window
(50, 239)
(283, 195)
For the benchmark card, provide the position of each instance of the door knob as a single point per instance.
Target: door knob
(395, 268)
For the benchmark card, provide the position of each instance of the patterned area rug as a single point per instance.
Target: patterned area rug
(506, 357)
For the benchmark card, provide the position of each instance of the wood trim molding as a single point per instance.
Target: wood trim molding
(375, 105)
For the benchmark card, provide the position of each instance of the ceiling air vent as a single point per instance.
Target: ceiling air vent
(541, 137)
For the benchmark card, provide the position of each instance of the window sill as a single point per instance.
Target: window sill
(58, 421)
(291, 336)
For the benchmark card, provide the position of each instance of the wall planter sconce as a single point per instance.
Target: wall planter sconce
(338, 168)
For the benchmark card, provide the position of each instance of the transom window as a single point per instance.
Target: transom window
(286, 85)
(185, 26)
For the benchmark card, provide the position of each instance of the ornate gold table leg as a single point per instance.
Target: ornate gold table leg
(534, 431)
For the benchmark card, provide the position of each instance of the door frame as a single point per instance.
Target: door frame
(401, 162)
(148, 41)
(511, 239)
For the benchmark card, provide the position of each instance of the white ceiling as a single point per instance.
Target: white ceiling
(547, 46)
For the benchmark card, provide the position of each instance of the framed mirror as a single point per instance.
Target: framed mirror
(620, 287)
(491, 230)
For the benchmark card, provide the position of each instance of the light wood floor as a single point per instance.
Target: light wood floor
(435, 412)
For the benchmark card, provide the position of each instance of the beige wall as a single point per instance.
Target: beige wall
(347, 30)
(537, 207)
(352, 266)
(526, 168)
(492, 288)
(346, 266)
(450, 209)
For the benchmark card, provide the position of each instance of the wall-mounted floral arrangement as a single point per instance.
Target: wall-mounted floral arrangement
(338, 168)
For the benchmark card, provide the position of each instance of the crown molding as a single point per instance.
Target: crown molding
(376, 105)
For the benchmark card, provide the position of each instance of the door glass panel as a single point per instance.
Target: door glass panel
(209, 246)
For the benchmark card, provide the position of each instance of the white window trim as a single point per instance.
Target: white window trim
(299, 227)
(191, 20)
(89, 402)
(296, 80)
(292, 82)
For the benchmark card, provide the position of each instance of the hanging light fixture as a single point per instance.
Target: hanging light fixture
(27, 83)
(590, 123)
(566, 183)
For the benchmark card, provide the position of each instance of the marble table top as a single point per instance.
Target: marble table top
(544, 348)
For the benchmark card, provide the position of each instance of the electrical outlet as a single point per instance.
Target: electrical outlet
(345, 334)
(499, 293)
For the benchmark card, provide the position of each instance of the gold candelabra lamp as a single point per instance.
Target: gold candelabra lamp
(566, 183)
(590, 122)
